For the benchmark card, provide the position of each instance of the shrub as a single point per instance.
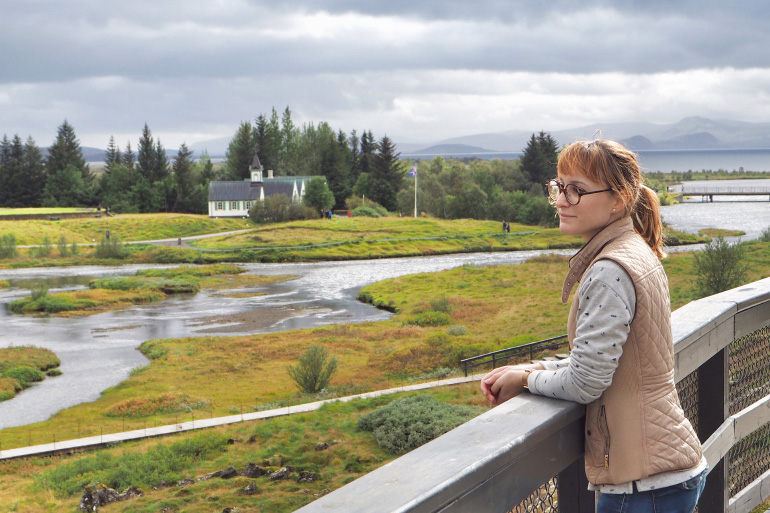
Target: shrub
(8, 246)
(38, 291)
(765, 235)
(365, 212)
(44, 250)
(407, 423)
(63, 247)
(279, 208)
(441, 305)
(430, 318)
(720, 266)
(457, 331)
(111, 248)
(4, 284)
(25, 375)
(314, 370)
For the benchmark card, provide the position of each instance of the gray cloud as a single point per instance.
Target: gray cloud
(194, 69)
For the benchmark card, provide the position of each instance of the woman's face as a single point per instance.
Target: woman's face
(592, 213)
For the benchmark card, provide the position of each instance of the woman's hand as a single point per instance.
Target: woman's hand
(503, 383)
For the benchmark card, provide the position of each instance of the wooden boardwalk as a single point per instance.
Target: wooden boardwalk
(93, 442)
(708, 193)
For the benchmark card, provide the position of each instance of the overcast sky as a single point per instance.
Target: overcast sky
(415, 70)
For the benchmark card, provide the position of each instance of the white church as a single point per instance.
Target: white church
(235, 198)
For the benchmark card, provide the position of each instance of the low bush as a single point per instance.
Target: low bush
(429, 318)
(165, 403)
(278, 209)
(111, 248)
(720, 266)
(24, 375)
(365, 212)
(314, 371)
(8, 246)
(405, 424)
(4, 284)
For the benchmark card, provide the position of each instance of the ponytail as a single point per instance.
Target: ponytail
(647, 221)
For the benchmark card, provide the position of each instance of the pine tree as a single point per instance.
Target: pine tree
(539, 159)
(240, 152)
(129, 158)
(5, 169)
(65, 151)
(145, 155)
(112, 156)
(387, 175)
(34, 174)
(183, 171)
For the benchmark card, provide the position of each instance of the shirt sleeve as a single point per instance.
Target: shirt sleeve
(607, 304)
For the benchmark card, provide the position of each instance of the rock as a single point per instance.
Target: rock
(253, 470)
(252, 439)
(231, 441)
(99, 494)
(161, 485)
(307, 477)
(184, 482)
(130, 493)
(229, 472)
(230, 510)
(251, 489)
(322, 446)
(282, 473)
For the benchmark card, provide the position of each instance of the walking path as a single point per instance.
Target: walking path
(93, 442)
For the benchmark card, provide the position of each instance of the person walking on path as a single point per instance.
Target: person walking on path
(641, 452)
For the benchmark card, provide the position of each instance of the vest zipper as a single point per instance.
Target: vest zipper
(604, 430)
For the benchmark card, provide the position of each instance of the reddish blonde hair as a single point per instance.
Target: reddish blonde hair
(611, 163)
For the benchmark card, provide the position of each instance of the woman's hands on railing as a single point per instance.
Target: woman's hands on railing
(504, 383)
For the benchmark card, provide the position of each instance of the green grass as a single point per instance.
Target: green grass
(121, 291)
(22, 366)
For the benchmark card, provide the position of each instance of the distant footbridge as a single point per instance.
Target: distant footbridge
(707, 193)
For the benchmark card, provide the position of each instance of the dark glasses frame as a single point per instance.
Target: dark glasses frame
(553, 188)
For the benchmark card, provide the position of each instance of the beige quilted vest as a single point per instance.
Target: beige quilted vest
(637, 428)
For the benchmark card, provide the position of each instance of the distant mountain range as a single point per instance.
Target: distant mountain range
(693, 133)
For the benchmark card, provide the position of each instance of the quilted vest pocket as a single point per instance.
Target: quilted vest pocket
(597, 436)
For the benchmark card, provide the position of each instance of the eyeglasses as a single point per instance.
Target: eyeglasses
(572, 192)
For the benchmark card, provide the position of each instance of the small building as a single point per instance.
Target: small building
(235, 198)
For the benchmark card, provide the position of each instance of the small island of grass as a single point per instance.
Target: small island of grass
(22, 366)
(145, 286)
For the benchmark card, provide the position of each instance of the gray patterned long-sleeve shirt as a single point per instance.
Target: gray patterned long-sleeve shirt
(607, 304)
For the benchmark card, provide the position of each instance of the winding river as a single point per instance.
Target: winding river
(99, 351)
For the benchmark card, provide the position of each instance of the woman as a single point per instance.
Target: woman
(640, 450)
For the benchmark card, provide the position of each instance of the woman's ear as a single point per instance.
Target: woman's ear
(620, 202)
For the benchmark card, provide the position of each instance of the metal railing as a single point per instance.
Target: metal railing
(527, 453)
(503, 356)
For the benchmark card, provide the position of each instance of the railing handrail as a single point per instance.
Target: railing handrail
(530, 348)
(495, 460)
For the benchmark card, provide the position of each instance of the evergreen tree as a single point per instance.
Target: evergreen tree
(289, 145)
(183, 171)
(387, 175)
(65, 188)
(354, 156)
(334, 168)
(272, 149)
(34, 174)
(5, 170)
(260, 135)
(14, 183)
(160, 169)
(539, 159)
(129, 158)
(368, 149)
(145, 155)
(65, 151)
(112, 156)
(115, 189)
(240, 152)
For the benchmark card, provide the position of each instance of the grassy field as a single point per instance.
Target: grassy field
(299, 241)
(128, 227)
(442, 318)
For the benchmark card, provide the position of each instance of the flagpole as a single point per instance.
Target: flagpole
(415, 192)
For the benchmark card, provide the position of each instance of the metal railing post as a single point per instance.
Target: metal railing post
(574, 496)
(713, 409)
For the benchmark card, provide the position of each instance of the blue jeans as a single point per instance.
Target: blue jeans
(680, 498)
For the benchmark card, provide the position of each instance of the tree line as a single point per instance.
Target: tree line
(354, 167)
